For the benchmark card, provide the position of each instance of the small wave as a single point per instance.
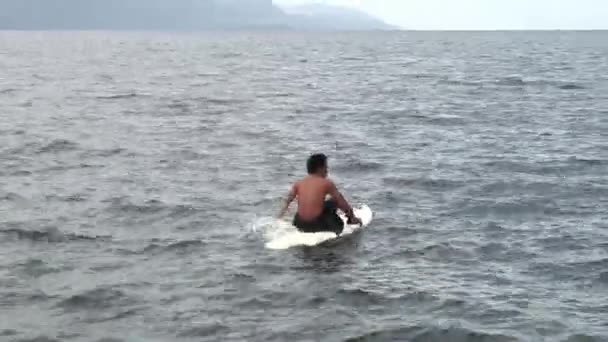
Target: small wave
(501, 252)
(538, 168)
(558, 243)
(188, 154)
(219, 101)
(68, 198)
(182, 211)
(571, 86)
(446, 120)
(275, 95)
(494, 227)
(515, 207)
(242, 278)
(19, 298)
(90, 166)
(443, 251)
(182, 106)
(99, 298)
(363, 297)
(424, 183)
(108, 152)
(256, 302)
(108, 266)
(38, 339)
(121, 204)
(352, 58)
(419, 75)
(40, 77)
(208, 74)
(590, 162)
(556, 271)
(105, 77)
(359, 166)
(180, 247)
(492, 249)
(512, 81)
(8, 91)
(516, 81)
(460, 334)
(8, 332)
(109, 339)
(590, 266)
(11, 197)
(37, 268)
(398, 334)
(227, 54)
(206, 330)
(50, 235)
(112, 317)
(23, 149)
(75, 198)
(117, 96)
(461, 83)
(19, 173)
(418, 116)
(433, 334)
(150, 207)
(360, 297)
(58, 145)
(584, 338)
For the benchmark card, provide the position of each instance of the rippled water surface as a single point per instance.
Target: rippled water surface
(133, 167)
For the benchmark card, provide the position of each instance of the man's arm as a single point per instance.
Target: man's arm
(290, 197)
(340, 200)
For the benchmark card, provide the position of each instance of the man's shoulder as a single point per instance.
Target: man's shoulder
(301, 181)
(329, 184)
(308, 180)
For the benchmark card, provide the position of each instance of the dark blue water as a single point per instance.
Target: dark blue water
(133, 166)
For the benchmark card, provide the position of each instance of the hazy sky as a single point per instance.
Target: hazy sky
(484, 14)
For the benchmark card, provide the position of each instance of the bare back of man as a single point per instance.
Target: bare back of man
(310, 194)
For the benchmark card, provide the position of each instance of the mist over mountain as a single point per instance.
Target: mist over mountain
(328, 17)
(175, 15)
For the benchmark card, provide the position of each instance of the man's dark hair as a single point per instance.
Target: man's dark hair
(316, 162)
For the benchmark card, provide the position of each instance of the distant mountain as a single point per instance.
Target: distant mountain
(138, 14)
(175, 15)
(328, 17)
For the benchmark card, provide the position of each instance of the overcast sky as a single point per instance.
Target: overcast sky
(483, 14)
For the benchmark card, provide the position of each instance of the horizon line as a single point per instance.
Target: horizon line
(287, 29)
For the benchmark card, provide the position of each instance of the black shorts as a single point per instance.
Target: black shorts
(328, 221)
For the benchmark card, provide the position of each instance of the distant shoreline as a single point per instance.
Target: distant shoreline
(293, 30)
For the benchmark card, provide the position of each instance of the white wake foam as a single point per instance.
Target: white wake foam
(281, 234)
